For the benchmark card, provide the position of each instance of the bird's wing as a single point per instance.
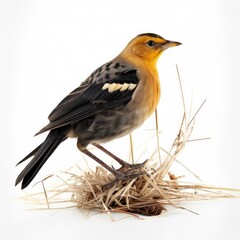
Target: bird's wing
(104, 89)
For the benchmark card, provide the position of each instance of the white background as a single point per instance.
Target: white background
(48, 47)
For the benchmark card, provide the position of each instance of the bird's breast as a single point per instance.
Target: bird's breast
(147, 95)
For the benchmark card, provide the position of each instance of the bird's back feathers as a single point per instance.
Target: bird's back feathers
(105, 88)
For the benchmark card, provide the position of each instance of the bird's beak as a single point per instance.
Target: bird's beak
(169, 44)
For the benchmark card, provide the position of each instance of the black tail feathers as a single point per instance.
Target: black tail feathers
(31, 154)
(41, 155)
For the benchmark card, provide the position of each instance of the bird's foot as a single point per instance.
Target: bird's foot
(126, 173)
(121, 178)
(129, 167)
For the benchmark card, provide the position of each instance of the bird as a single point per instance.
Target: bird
(112, 102)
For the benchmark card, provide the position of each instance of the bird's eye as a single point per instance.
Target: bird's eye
(151, 43)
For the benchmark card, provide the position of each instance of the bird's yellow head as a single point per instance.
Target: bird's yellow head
(147, 47)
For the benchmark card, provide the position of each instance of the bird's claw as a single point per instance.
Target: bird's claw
(127, 175)
(128, 166)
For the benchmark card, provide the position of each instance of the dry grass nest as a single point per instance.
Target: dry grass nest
(148, 195)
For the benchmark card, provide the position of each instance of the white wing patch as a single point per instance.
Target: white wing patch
(105, 86)
(131, 86)
(112, 87)
(124, 87)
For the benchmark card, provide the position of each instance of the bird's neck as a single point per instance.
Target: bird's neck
(139, 62)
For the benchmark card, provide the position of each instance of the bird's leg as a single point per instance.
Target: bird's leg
(119, 176)
(124, 164)
(120, 161)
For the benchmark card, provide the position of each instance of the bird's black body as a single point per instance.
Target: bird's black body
(89, 113)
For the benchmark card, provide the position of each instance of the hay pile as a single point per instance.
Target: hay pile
(148, 195)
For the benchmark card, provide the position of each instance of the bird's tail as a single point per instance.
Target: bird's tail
(41, 154)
